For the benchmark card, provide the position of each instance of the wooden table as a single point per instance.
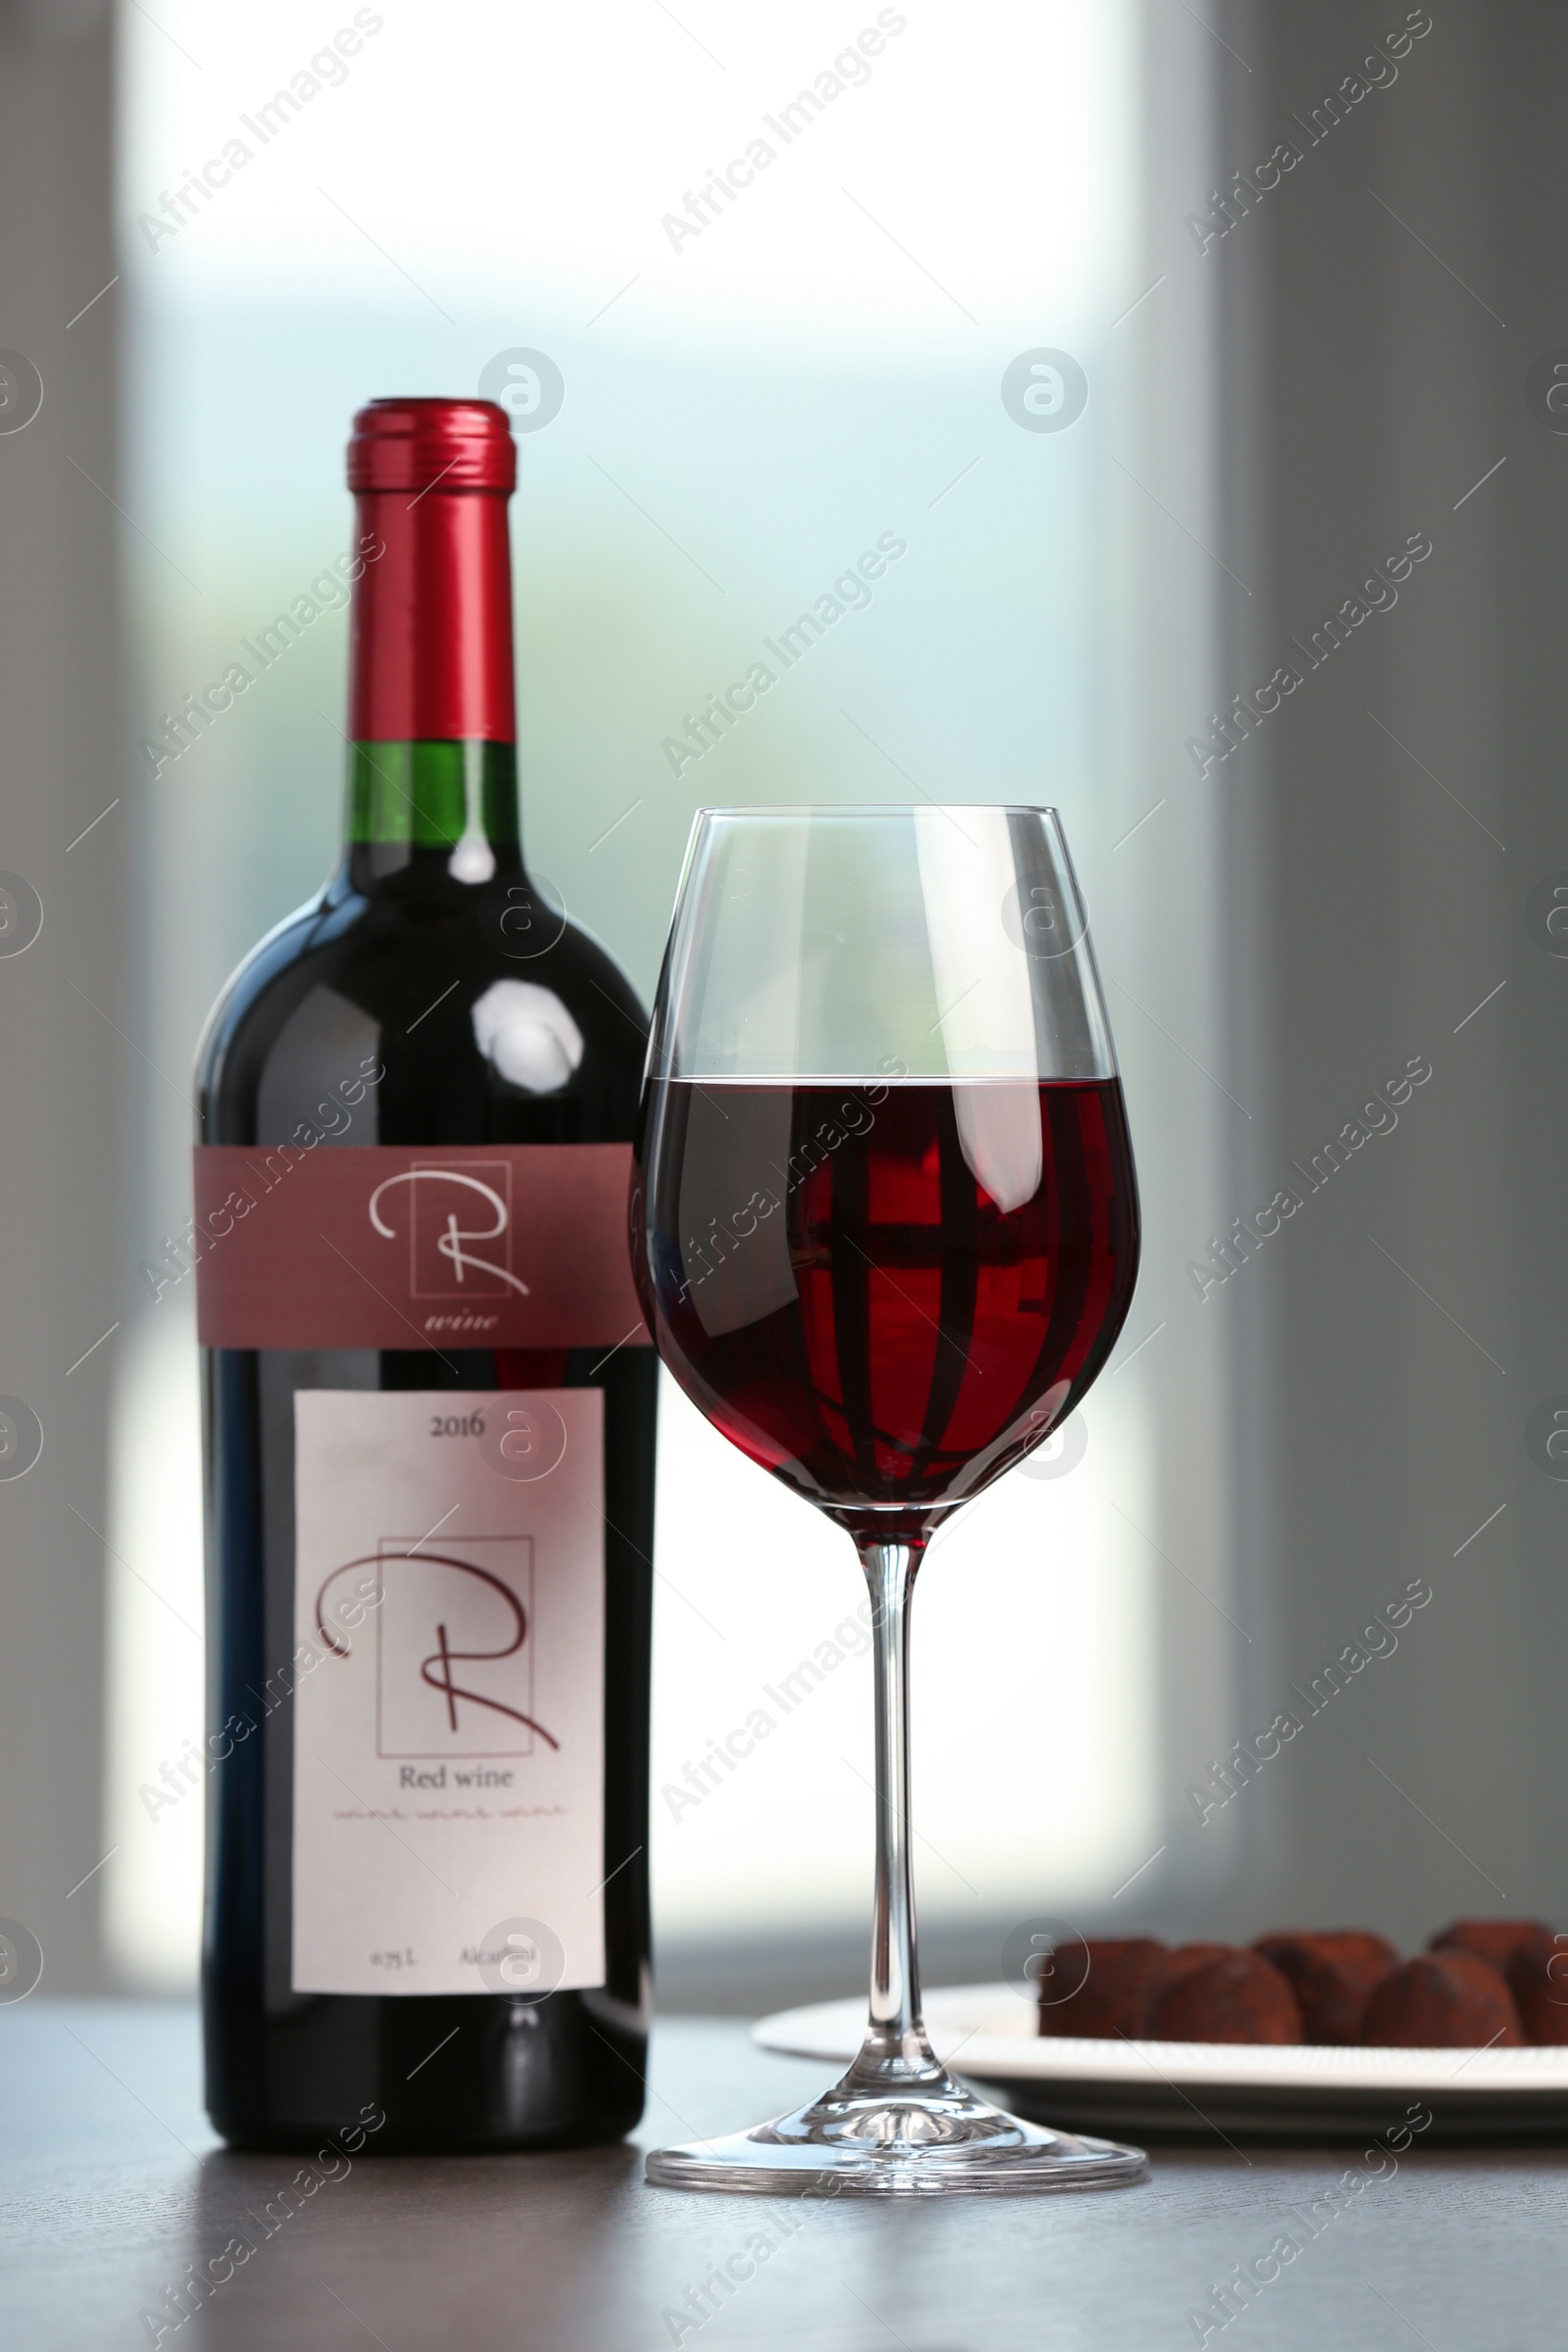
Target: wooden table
(112, 2185)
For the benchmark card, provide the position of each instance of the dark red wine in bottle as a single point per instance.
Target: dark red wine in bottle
(430, 1404)
(838, 1285)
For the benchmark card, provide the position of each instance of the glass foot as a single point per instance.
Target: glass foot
(870, 2140)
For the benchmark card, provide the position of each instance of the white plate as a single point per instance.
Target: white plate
(987, 2033)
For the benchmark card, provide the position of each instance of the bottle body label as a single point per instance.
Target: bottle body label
(516, 1245)
(449, 1733)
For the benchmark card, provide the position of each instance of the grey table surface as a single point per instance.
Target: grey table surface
(112, 2186)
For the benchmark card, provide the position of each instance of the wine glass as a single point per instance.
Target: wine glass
(885, 1230)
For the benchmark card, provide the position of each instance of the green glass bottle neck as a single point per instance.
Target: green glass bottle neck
(447, 807)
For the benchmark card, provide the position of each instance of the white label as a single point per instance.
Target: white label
(449, 1725)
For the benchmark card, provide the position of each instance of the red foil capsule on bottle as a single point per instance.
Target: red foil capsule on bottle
(431, 626)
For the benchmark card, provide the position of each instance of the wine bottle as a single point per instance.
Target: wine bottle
(429, 1417)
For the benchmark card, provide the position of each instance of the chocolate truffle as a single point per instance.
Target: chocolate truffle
(1537, 1977)
(1447, 2000)
(1493, 1940)
(1331, 1976)
(1114, 1996)
(1240, 1996)
(1182, 1960)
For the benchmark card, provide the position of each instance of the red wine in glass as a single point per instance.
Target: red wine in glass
(868, 1320)
(884, 1228)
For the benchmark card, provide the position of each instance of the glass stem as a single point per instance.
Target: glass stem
(896, 2050)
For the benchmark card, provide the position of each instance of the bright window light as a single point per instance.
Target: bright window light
(755, 385)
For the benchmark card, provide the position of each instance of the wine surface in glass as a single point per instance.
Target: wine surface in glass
(886, 1292)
